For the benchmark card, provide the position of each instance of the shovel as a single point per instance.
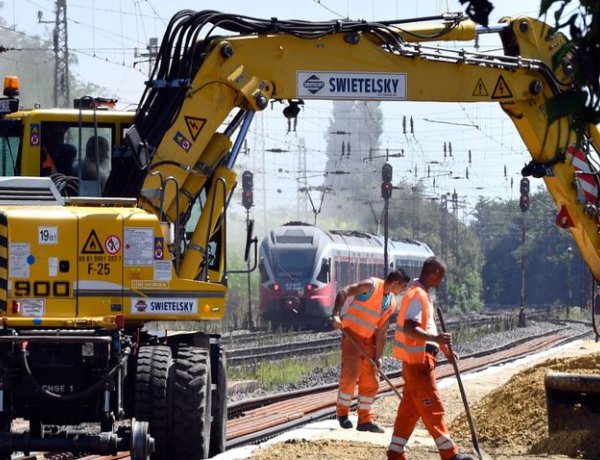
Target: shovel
(480, 453)
(362, 352)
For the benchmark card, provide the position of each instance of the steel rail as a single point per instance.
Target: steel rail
(256, 421)
(248, 355)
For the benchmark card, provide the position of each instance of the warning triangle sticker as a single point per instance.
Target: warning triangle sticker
(501, 90)
(92, 244)
(195, 125)
(480, 89)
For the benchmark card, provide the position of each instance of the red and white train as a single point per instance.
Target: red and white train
(302, 267)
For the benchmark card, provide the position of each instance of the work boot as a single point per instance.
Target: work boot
(344, 421)
(462, 457)
(371, 427)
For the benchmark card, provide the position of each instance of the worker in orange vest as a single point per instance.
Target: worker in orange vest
(417, 344)
(47, 166)
(371, 303)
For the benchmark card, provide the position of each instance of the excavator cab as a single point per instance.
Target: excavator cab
(72, 146)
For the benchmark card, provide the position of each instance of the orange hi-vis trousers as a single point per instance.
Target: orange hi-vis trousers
(356, 368)
(421, 399)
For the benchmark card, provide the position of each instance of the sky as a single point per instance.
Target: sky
(108, 38)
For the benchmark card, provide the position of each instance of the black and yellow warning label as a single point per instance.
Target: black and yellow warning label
(501, 91)
(480, 89)
(195, 125)
(92, 244)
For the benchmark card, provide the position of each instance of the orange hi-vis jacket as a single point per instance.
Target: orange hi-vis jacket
(363, 317)
(405, 348)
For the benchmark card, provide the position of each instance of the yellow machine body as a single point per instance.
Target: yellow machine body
(83, 266)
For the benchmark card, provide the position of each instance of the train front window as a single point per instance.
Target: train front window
(10, 143)
(293, 262)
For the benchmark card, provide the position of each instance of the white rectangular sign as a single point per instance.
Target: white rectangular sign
(32, 307)
(164, 306)
(47, 235)
(351, 85)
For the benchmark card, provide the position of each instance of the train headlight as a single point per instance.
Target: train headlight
(275, 286)
(311, 287)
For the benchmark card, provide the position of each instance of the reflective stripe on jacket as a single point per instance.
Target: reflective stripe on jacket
(363, 316)
(405, 348)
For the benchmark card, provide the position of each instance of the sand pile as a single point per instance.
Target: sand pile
(514, 416)
(320, 450)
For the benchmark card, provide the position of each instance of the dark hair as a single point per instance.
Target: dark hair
(432, 264)
(397, 275)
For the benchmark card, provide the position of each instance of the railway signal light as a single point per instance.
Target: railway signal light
(386, 185)
(386, 190)
(524, 199)
(247, 193)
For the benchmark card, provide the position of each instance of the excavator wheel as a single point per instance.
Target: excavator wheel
(151, 405)
(573, 401)
(219, 410)
(190, 403)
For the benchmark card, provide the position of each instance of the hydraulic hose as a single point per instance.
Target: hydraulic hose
(80, 394)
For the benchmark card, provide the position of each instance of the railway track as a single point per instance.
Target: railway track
(249, 352)
(252, 421)
(257, 420)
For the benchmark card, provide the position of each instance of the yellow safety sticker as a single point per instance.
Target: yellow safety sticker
(480, 89)
(501, 90)
(92, 244)
(195, 125)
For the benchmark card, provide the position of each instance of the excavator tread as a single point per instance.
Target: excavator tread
(191, 401)
(151, 384)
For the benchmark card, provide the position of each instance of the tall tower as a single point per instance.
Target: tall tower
(61, 56)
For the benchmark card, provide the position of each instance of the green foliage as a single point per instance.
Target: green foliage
(464, 294)
(478, 10)
(239, 314)
(552, 272)
(272, 374)
(32, 60)
(581, 102)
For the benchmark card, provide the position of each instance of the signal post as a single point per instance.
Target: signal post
(248, 202)
(524, 205)
(386, 193)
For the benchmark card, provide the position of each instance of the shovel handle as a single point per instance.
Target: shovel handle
(463, 395)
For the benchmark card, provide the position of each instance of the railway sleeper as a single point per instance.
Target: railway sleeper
(572, 400)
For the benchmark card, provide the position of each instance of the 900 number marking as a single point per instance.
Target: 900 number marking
(42, 289)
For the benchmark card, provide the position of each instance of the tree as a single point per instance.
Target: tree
(32, 60)
(548, 259)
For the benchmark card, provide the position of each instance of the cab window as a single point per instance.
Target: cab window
(10, 146)
(72, 151)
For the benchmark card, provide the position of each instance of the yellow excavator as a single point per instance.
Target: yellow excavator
(82, 273)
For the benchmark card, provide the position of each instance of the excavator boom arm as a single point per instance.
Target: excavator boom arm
(295, 60)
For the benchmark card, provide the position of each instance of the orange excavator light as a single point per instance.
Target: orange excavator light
(11, 86)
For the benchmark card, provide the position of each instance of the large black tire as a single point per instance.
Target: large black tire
(151, 404)
(219, 410)
(190, 400)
